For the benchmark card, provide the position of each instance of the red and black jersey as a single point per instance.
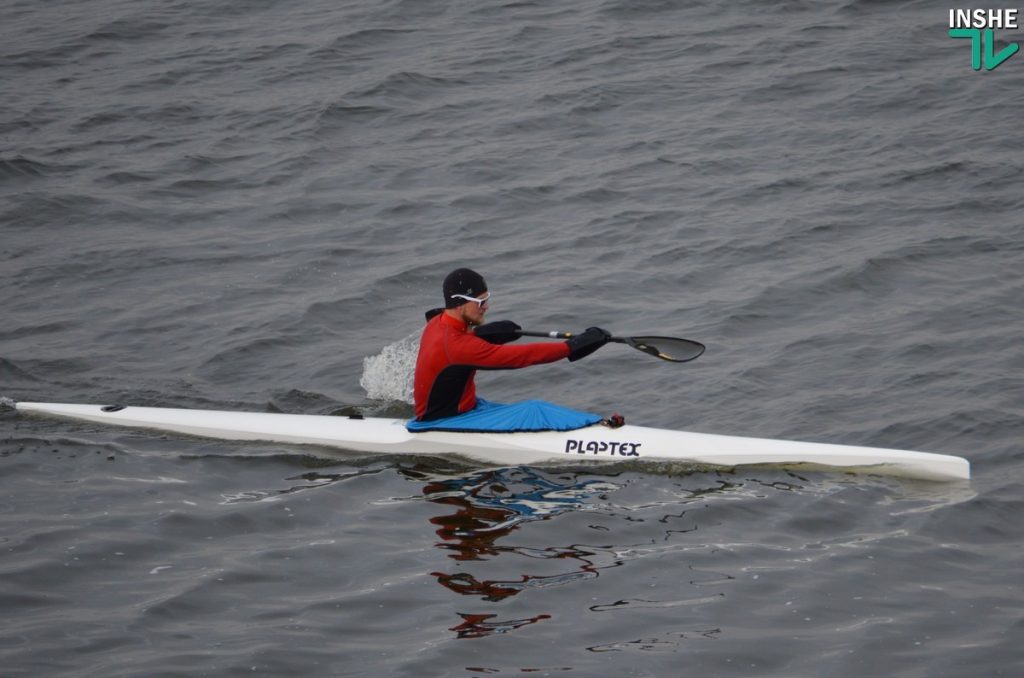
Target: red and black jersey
(448, 360)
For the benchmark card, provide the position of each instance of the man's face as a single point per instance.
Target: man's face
(473, 311)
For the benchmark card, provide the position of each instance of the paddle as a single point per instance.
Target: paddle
(672, 349)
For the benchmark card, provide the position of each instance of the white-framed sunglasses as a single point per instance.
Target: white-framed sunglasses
(481, 302)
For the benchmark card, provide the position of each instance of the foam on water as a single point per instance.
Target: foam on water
(388, 375)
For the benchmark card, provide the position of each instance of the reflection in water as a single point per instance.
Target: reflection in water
(492, 504)
(312, 481)
(670, 644)
(481, 509)
(489, 505)
(494, 591)
(477, 626)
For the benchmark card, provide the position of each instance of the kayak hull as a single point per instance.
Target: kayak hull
(593, 443)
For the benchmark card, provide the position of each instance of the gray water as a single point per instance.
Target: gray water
(249, 205)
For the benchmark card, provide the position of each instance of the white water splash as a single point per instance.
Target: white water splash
(388, 375)
(7, 403)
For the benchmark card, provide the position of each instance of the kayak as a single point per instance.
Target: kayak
(597, 443)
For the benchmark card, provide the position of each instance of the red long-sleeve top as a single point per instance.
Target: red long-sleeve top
(448, 360)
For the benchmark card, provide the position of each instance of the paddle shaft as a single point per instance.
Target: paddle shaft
(553, 335)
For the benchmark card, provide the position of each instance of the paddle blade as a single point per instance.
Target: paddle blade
(672, 349)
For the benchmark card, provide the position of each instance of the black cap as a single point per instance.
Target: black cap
(462, 281)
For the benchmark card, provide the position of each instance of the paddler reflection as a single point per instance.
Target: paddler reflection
(492, 504)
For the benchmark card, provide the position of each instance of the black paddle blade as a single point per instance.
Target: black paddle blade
(673, 349)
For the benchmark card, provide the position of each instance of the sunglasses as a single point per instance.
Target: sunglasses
(481, 302)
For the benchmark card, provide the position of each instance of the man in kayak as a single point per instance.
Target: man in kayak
(456, 343)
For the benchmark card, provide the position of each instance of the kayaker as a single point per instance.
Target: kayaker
(456, 343)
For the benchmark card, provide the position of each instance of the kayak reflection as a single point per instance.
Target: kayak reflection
(479, 625)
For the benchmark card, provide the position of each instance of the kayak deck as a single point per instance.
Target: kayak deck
(593, 443)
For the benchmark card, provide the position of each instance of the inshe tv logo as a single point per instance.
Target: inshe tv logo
(979, 25)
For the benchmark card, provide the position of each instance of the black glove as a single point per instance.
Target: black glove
(584, 344)
(498, 332)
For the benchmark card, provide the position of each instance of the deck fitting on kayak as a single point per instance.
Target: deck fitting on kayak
(112, 408)
(614, 421)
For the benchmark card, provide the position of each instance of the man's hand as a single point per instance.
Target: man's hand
(584, 344)
(498, 332)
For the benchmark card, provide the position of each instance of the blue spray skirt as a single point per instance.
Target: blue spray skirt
(529, 415)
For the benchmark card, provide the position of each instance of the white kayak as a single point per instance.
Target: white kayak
(593, 443)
